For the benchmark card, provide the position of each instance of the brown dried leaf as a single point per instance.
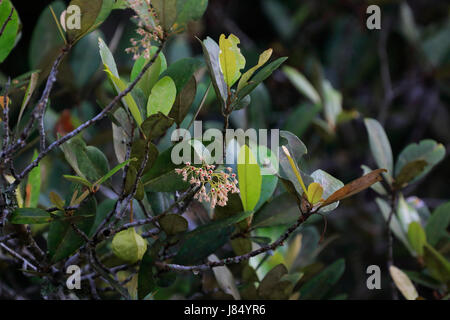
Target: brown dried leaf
(355, 186)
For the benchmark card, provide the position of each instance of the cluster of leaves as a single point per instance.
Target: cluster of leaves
(410, 220)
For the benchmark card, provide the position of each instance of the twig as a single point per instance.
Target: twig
(6, 115)
(390, 258)
(88, 123)
(237, 259)
(18, 256)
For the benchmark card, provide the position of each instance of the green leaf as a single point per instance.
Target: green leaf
(273, 287)
(262, 75)
(34, 184)
(79, 180)
(263, 58)
(84, 59)
(183, 101)
(11, 30)
(162, 97)
(138, 152)
(437, 224)
(93, 13)
(166, 12)
(30, 216)
(148, 271)
(152, 74)
(317, 287)
(211, 52)
(182, 71)
(332, 104)
(207, 238)
(269, 182)
(231, 58)
(427, 150)
(62, 240)
(173, 224)
(409, 172)
(380, 146)
(249, 177)
(282, 210)
(107, 57)
(406, 214)
(437, 264)
(190, 10)
(417, 237)
(128, 100)
(162, 177)
(114, 171)
(395, 226)
(46, 41)
(156, 125)
(302, 84)
(301, 118)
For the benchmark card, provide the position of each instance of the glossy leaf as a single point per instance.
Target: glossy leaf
(128, 100)
(211, 53)
(409, 172)
(249, 178)
(380, 146)
(173, 224)
(207, 238)
(30, 216)
(436, 228)
(427, 150)
(417, 237)
(182, 71)
(320, 285)
(231, 58)
(403, 283)
(282, 210)
(262, 75)
(329, 185)
(11, 30)
(156, 125)
(225, 279)
(166, 12)
(162, 97)
(263, 58)
(437, 264)
(302, 84)
(183, 101)
(314, 193)
(62, 240)
(33, 187)
(190, 10)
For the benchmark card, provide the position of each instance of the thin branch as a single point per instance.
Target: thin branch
(6, 115)
(237, 259)
(88, 123)
(390, 258)
(18, 256)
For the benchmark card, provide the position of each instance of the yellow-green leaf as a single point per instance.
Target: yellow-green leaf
(249, 178)
(231, 58)
(314, 193)
(128, 100)
(263, 58)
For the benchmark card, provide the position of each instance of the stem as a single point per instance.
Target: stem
(390, 257)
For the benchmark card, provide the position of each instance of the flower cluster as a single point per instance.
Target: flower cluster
(141, 46)
(214, 185)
